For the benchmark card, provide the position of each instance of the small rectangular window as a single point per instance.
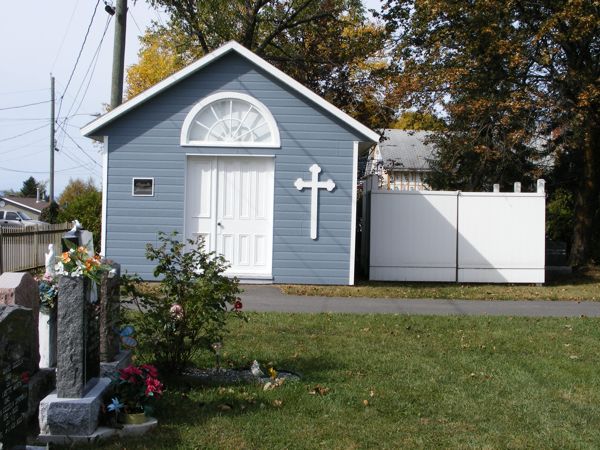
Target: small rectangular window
(142, 187)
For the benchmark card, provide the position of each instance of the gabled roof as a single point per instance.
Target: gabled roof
(406, 148)
(28, 203)
(232, 46)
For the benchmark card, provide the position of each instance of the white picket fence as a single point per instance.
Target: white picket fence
(494, 237)
(24, 248)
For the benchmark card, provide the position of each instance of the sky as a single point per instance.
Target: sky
(40, 38)
(43, 37)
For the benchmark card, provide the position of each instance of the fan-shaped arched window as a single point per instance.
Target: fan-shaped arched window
(230, 119)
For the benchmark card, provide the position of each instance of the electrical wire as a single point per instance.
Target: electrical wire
(24, 106)
(23, 134)
(64, 36)
(14, 149)
(92, 68)
(134, 21)
(31, 171)
(79, 146)
(78, 56)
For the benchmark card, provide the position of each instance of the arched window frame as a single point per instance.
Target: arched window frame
(260, 107)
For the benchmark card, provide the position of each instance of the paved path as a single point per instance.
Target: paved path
(270, 298)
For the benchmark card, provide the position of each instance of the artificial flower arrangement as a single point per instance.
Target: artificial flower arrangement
(135, 388)
(77, 262)
(48, 293)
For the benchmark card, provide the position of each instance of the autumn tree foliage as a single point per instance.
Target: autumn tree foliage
(328, 45)
(518, 83)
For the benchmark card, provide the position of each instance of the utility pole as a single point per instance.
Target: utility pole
(116, 93)
(52, 144)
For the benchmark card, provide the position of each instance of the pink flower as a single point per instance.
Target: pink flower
(153, 387)
(130, 374)
(176, 311)
(150, 370)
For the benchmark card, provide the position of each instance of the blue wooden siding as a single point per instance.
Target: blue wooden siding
(145, 143)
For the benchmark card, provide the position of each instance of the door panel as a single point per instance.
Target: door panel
(231, 200)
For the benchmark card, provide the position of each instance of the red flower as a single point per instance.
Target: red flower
(153, 387)
(130, 374)
(150, 370)
(25, 377)
(237, 306)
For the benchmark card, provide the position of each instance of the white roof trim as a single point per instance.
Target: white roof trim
(30, 208)
(91, 127)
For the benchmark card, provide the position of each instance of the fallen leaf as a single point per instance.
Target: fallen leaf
(277, 403)
(224, 407)
(319, 390)
(371, 393)
(574, 357)
(366, 402)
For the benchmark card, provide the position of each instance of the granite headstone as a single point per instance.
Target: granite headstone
(17, 364)
(78, 359)
(109, 314)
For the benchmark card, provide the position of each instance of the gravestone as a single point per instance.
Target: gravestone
(17, 364)
(21, 289)
(78, 359)
(109, 314)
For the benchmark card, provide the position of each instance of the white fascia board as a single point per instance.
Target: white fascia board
(91, 127)
(21, 205)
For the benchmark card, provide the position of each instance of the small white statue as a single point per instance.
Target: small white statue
(50, 257)
(255, 369)
(76, 226)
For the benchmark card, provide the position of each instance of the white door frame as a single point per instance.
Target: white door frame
(214, 198)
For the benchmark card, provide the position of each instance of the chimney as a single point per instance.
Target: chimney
(37, 195)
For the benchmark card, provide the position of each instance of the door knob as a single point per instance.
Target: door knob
(220, 224)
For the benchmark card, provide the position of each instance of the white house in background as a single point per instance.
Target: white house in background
(400, 160)
(30, 206)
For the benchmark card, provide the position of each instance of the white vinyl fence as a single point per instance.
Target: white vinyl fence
(492, 237)
(24, 248)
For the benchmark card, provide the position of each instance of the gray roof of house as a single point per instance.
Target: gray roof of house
(407, 148)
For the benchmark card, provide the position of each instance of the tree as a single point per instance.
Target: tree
(413, 120)
(50, 213)
(506, 74)
(30, 188)
(81, 200)
(327, 45)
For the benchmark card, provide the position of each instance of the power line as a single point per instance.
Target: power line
(134, 21)
(24, 106)
(37, 172)
(14, 149)
(80, 147)
(23, 92)
(64, 36)
(24, 133)
(79, 55)
(92, 67)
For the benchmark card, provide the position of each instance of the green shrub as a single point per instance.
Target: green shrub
(187, 312)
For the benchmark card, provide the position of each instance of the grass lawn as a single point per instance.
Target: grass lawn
(396, 382)
(585, 286)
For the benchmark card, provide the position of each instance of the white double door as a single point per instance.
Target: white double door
(229, 202)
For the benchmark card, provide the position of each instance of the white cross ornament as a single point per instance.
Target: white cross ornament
(315, 185)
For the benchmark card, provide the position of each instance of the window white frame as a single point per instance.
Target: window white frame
(260, 107)
(134, 179)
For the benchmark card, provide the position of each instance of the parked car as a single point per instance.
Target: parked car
(17, 219)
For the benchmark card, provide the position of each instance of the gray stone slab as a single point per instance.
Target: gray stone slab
(72, 416)
(122, 360)
(78, 355)
(17, 365)
(110, 314)
(20, 288)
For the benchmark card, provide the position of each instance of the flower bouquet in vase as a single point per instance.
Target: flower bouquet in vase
(135, 390)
